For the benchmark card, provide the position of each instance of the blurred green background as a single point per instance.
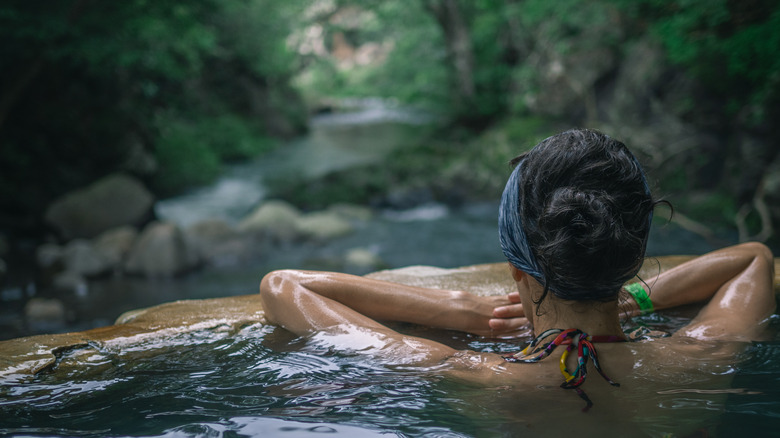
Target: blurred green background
(691, 86)
(183, 97)
(171, 91)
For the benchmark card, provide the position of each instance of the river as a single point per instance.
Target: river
(429, 234)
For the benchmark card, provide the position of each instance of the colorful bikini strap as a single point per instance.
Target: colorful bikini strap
(574, 339)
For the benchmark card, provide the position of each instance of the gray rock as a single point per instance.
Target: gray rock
(160, 251)
(364, 260)
(351, 211)
(71, 282)
(639, 75)
(108, 203)
(321, 226)
(114, 245)
(48, 310)
(82, 258)
(275, 219)
(49, 256)
(211, 230)
(217, 243)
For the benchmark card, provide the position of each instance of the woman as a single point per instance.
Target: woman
(574, 220)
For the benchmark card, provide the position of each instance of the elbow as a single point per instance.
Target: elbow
(272, 283)
(761, 255)
(759, 251)
(764, 266)
(274, 287)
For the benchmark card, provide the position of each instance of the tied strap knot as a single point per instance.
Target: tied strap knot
(573, 339)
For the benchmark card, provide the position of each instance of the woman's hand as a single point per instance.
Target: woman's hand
(499, 316)
(508, 318)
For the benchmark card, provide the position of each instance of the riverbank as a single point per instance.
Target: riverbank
(381, 187)
(433, 234)
(454, 166)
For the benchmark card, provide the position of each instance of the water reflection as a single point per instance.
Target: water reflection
(264, 381)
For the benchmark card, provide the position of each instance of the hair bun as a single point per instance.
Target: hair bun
(585, 214)
(578, 227)
(585, 208)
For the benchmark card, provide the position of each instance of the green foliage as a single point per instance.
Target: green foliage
(711, 208)
(482, 164)
(232, 138)
(409, 32)
(732, 46)
(419, 69)
(421, 82)
(204, 82)
(185, 159)
(82, 77)
(190, 153)
(256, 33)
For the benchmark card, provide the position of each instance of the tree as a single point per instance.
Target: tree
(87, 83)
(457, 37)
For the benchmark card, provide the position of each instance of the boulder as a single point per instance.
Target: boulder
(48, 310)
(71, 282)
(565, 87)
(275, 219)
(114, 245)
(635, 86)
(160, 251)
(108, 203)
(49, 256)
(217, 243)
(321, 226)
(81, 257)
(351, 211)
(363, 260)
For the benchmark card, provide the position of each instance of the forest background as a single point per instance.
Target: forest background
(170, 91)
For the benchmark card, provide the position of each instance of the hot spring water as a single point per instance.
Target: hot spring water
(263, 381)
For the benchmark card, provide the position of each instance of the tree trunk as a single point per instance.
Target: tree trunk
(458, 40)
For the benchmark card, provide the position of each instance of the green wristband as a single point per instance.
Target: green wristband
(640, 296)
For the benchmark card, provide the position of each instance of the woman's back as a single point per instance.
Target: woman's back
(668, 385)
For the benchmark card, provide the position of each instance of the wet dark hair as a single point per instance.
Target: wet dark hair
(584, 207)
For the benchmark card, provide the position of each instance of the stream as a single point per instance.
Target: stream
(430, 234)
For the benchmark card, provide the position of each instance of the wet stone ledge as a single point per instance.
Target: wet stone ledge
(146, 332)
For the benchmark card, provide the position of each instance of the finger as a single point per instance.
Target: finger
(514, 297)
(510, 311)
(506, 324)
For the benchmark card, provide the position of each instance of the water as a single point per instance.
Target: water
(431, 234)
(335, 142)
(264, 381)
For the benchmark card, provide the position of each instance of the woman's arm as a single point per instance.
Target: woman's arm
(737, 283)
(281, 292)
(289, 301)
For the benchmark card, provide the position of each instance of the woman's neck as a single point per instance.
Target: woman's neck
(591, 318)
(594, 318)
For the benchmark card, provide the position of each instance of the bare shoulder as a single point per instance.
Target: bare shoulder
(673, 358)
(490, 369)
(650, 360)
